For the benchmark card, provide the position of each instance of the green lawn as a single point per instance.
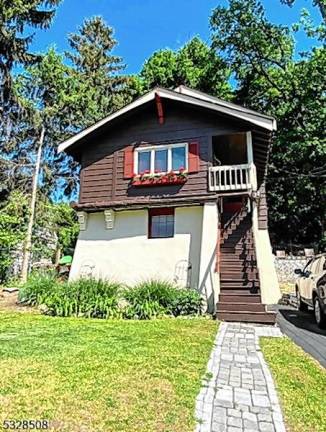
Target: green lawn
(96, 375)
(301, 385)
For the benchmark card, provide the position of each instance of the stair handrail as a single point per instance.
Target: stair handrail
(233, 218)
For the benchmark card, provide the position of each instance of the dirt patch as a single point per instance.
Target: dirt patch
(8, 302)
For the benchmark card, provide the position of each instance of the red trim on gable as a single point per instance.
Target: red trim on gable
(128, 170)
(193, 157)
(159, 107)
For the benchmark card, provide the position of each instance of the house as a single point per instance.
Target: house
(172, 186)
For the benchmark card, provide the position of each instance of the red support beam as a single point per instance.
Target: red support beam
(159, 107)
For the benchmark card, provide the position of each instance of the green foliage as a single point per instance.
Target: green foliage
(17, 16)
(37, 288)
(85, 297)
(271, 79)
(103, 299)
(61, 219)
(97, 70)
(186, 302)
(195, 65)
(12, 224)
(154, 297)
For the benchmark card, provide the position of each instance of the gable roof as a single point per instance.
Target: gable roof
(186, 95)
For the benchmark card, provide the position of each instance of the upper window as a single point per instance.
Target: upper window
(161, 159)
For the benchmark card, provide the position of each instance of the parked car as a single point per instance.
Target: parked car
(311, 288)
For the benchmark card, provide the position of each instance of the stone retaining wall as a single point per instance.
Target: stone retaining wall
(285, 267)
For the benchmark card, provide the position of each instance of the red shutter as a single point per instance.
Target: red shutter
(193, 158)
(128, 171)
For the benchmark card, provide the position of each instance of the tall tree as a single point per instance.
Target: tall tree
(195, 64)
(270, 79)
(15, 17)
(98, 70)
(254, 48)
(47, 91)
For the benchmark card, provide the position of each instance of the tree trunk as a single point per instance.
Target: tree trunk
(28, 239)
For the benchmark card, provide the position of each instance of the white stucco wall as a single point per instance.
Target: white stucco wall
(208, 278)
(125, 254)
(269, 286)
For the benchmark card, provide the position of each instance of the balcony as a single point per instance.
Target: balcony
(232, 178)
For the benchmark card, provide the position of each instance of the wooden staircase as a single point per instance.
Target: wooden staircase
(239, 298)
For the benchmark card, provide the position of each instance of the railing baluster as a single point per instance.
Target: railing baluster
(232, 177)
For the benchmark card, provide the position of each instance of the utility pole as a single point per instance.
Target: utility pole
(28, 239)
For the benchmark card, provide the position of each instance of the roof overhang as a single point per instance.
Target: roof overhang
(185, 95)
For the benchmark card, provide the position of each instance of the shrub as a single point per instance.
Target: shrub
(85, 297)
(186, 302)
(143, 310)
(37, 288)
(154, 298)
(93, 298)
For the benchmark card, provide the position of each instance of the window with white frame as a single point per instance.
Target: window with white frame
(161, 159)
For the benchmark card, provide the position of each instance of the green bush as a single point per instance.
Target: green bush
(93, 298)
(154, 298)
(143, 310)
(86, 297)
(186, 302)
(37, 288)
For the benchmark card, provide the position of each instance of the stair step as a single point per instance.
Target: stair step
(235, 281)
(244, 296)
(238, 265)
(229, 258)
(238, 288)
(237, 247)
(242, 306)
(244, 316)
(240, 291)
(239, 273)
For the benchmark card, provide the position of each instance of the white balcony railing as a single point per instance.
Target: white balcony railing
(232, 177)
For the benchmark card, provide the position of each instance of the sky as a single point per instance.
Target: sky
(144, 26)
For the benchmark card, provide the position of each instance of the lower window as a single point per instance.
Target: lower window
(161, 223)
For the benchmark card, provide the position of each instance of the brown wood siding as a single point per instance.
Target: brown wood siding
(102, 157)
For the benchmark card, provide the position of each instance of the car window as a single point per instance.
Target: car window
(308, 265)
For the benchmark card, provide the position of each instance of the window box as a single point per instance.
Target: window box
(172, 178)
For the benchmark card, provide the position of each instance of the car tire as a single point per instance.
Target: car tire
(303, 307)
(320, 317)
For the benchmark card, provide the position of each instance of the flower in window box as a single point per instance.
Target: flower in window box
(183, 174)
(171, 174)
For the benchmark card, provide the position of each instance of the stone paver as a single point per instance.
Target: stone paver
(239, 395)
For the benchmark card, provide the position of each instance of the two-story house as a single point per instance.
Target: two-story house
(172, 186)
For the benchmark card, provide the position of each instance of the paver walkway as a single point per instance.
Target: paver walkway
(239, 393)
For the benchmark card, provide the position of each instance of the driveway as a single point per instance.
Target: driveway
(302, 329)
